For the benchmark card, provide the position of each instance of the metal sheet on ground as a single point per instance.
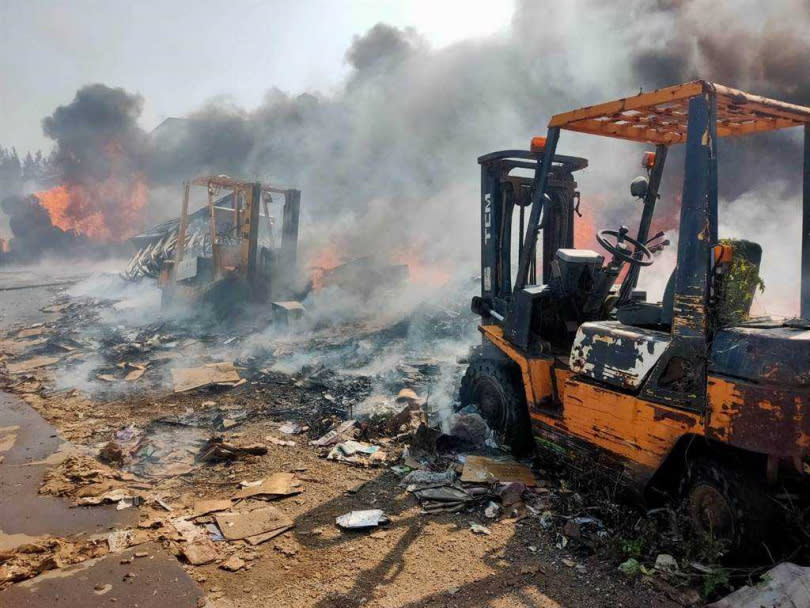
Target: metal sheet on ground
(156, 581)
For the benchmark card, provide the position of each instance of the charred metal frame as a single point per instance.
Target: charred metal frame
(278, 265)
(497, 206)
(289, 227)
(698, 235)
(648, 210)
(181, 233)
(541, 173)
(682, 114)
(805, 293)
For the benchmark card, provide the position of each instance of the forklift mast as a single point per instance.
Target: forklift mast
(501, 194)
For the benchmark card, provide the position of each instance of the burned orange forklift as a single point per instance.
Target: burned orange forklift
(690, 393)
(242, 258)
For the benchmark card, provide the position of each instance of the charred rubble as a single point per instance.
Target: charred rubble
(180, 400)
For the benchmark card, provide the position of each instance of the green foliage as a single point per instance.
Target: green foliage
(716, 581)
(632, 547)
(630, 568)
(736, 288)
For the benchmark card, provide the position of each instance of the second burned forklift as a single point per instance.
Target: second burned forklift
(244, 256)
(688, 393)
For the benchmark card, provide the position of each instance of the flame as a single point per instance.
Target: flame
(321, 262)
(585, 228)
(421, 271)
(108, 210)
(665, 219)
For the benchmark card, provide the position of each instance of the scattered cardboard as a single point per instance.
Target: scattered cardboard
(187, 530)
(260, 522)
(204, 507)
(135, 374)
(8, 438)
(260, 538)
(18, 347)
(53, 308)
(201, 551)
(336, 435)
(233, 564)
(118, 540)
(216, 450)
(189, 378)
(32, 332)
(31, 364)
(480, 469)
(117, 495)
(291, 428)
(275, 486)
(357, 452)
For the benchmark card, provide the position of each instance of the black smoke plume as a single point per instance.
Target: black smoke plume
(97, 135)
(34, 235)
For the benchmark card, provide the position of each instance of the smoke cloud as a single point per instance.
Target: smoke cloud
(97, 134)
(100, 155)
(387, 163)
(34, 235)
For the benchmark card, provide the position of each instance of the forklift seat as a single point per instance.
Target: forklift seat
(735, 276)
(650, 314)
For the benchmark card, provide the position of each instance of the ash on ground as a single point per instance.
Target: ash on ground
(346, 422)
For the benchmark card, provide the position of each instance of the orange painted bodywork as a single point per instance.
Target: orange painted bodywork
(641, 433)
(759, 417)
(661, 116)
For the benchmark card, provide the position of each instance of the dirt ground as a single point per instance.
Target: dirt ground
(417, 559)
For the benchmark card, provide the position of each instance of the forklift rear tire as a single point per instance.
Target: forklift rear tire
(496, 389)
(724, 503)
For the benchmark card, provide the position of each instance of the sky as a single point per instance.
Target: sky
(178, 54)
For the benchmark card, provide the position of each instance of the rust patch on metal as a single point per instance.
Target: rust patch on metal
(763, 418)
(661, 413)
(689, 313)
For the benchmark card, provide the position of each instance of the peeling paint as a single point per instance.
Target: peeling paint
(613, 353)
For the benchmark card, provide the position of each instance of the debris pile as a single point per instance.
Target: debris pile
(222, 438)
(158, 244)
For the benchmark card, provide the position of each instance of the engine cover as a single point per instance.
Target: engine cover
(616, 354)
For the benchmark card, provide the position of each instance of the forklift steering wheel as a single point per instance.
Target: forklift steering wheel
(623, 253)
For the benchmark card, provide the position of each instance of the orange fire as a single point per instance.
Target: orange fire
(109, 210)
(321, 261)
(420, 270)
(585, 229)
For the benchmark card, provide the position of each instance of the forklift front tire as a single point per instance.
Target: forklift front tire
(495, 388)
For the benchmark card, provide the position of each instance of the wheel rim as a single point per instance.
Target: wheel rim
(492, 403)
(710, 512)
